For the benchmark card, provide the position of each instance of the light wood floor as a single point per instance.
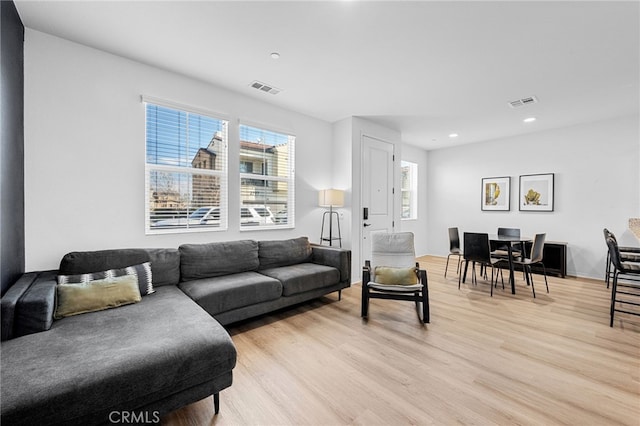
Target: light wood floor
(510, 359)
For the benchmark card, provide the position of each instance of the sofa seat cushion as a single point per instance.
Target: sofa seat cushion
(221, 294)
(118, 359)
(303, 277)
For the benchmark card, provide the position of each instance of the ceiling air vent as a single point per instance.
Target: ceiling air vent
(263, 87)
(524, 101)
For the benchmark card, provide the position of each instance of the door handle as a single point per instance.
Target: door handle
(366, 224)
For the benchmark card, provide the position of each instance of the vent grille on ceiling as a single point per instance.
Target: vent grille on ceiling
(524, 101)
(263, 87)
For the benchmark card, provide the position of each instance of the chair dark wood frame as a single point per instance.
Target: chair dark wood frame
(630, 273)
(454, 249)
(477, 250)
(537, 250)
(398, 294)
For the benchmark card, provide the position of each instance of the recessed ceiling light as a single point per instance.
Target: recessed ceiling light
(275, 55)
(453, 135)
(529, 120)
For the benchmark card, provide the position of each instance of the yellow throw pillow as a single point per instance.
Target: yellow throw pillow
(74, 299)
(395, 276)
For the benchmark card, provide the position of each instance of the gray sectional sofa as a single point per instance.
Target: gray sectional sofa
(143, 360)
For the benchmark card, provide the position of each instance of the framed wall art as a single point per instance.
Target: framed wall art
(496, 193)
(536, 193)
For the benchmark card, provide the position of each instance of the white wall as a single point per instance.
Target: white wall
(85, 151)
(596, 186)
(361, 127)
(341, 177)
(347, 158)
(419, 225)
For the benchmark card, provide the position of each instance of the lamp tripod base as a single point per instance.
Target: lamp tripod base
(331, 238)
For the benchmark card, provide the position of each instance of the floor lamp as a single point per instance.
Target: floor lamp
(331, 198)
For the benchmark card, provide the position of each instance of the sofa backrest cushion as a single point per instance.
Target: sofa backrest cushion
(216, 259)
(164, 262)
(284, 252)
(165, 266)
(86, 262)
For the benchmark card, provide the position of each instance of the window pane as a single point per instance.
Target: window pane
(176, 138)
(264, 203)
(265, 151)
(266, 184)
(409, 188)
(180, 147)
(184, 200)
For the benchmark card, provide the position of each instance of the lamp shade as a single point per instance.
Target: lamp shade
(331, 198)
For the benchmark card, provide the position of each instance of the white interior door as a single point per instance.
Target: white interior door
(377, 191)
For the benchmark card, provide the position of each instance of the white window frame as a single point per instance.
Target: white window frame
(222, 174)
(412, 190)
(289, 179)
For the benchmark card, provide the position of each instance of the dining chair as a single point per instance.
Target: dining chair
(537, 250)
(454, 249)
(477, 250)
(627, 254)
(393, 273)
(501, 250)
(623, 293)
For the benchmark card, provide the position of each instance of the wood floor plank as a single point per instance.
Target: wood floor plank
(507, 359)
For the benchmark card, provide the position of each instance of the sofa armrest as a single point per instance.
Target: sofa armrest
(34, 311)
(332, 256)
(10, 300)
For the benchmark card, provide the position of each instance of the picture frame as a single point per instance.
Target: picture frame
(496, 193)
(536, 192)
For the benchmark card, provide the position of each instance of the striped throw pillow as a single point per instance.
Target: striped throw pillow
(142, 272)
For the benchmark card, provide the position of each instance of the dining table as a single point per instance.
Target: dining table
(510, 241)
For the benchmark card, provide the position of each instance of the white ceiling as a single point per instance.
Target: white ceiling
(427, 69)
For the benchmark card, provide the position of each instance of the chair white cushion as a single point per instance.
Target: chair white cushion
(394, 250)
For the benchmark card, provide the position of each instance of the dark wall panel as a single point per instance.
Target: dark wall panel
(12, 254)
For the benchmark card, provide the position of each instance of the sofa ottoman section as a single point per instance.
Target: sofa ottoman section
(155, 355)
(303, 277)
(224, 293)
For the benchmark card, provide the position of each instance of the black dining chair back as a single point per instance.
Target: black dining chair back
(509, 232)
(614, 251)
(537, 251)
(477, 250)
(454, 249)
(538, 248)
(454, 239)
(476, 247)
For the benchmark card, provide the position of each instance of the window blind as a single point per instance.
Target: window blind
(186, 170)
